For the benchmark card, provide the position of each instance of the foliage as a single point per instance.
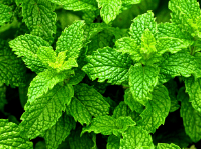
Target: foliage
(81, 72)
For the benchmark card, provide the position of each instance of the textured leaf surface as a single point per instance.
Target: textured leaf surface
(77, 5)
(140, 23)
(133, 104)
(179, 64)
(2, 97)
(157, 110)
(71, 40)
(10, 137)
(43, 82)
(129, 46)
(5, 14)
(26, 46)
(109, 9)
(193, 87)
(142, 80)
(108, 64)
(167, 146)
(86, 141)
(167, 44)
(57, 133)
(45, 111)
(40, 19)
(87, 103)
(12, 69)
(113, 142)
(135, 138)
(191, 117)
(108, 125)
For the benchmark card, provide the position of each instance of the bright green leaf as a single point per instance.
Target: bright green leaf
(26, 46)
(135, 138)
(10, 137)
(108, 64)
(39, 17)
(108, 125)
(142, 80)
(156, 111)
(57, 133)
(86, 103)
(5, 14)
(44, 112)
(191, 117)
(113, 142)
(167, 146)
(109, 9)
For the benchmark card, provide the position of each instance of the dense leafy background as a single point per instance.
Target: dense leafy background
(44, 43)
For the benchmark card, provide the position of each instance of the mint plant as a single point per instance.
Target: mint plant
(129, 83)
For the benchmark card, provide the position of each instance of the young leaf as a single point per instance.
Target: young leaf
(140, 23)
(109, 9)
(26, 46)
(108, 64)
(39, 17)
(77, 5)
(142, 80)
(193, 87)
(181, 63)
(108, 125)
(191, 117)
(58, 133)
(45, 81)
(86, 103)
(135, 138)
(113, 142)
(10, 137)
(167, 146)
(156, 111)
(71, 40)
(12, 68)
(45, 111)
(5, 14)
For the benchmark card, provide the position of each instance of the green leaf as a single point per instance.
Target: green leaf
(45, 81)
(142, 80)
(58, 133)
(183, 10)
(46, 55)
(44, 112)
(156, 110)
(129, 46)
(86, 141)
(108, 125)
(12, 68)
(108, 64)
(181, 63)
(169, 44)
(90, 15)
(191, 117)
(5, 14)
(86, 103)
(113, 142)
(40, 19)
(135, 138)
(133, 104)
(172, 30)
(71, 40)
(128, 3)
(77, 5)
(3, 100)
(109, 9)
(193, 88)
(167, 146)
(10, 137)
(26, 46)
(140, 23)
